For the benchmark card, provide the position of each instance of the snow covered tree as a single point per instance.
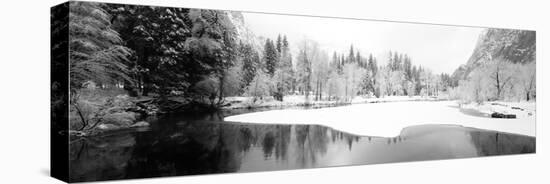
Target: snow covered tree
(95, 49)
(395, 82)
(279, 44)
(335, 86)
(175, 47)
(409, 87)
(270, 57)
(260, 87)
(407, 68)
(353, 75)
(320, 71)
(427, 83)
(213, 30)
(372, 68)
(527, 80)
(359, 60)
(283, 76)
(351, 56)
(500, 73)
(382, 85)
(96, 54)
(250, 63)
(308, 51)
(476, 88)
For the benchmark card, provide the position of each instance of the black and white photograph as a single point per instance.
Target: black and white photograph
(153, 91)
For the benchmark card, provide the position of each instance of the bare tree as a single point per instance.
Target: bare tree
(307, 54)
(527, 80)
(500, 73)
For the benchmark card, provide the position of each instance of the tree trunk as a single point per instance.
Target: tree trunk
(146, 86)
(320, 91)
(498, 83)
(130, 89)
(84, 121)
(222, 80)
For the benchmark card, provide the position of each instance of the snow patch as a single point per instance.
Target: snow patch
(388, 119)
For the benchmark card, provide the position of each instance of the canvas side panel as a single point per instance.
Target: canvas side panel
(59, 78)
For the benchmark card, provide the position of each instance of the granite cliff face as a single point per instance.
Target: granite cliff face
(516, 46)
(244, 34)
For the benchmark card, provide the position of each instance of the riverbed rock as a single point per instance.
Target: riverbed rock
(119, 103)
(122, 119)
(107, 127)
(77, 133)
(140, 124)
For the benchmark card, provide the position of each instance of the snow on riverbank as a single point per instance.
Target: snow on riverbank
(388, 119)
(300, 100)
(291, 100)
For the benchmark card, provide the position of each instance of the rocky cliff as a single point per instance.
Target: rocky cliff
(516, 46)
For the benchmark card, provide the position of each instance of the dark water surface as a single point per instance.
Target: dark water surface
(181, 145)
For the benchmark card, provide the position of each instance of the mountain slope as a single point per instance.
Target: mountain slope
(516, 46)
(244, 33)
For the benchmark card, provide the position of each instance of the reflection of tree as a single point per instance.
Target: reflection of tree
(312, 141)
(268, 144)
(283, 141)
(393, 140)
(350, 140)
(246, 139)
(491, 143)
(216, 116)
(109, 154)
(301, 137)
(200, 147)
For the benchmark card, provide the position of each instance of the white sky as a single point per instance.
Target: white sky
(440, 48)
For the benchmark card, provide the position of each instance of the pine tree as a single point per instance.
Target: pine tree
(341, 64)
(250, 59)
(335, 61)
(283, 77)
(95, 48)
(279, 44)
(359, 60)
(390, 61)
(96, 54)
(176, 47)
(351, 56)
(285, 42)
(407, 68)
(270, 57)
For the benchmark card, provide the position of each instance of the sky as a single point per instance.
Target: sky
(440, 48)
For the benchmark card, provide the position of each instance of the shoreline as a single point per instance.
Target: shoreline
(244, 102)
(390, 118)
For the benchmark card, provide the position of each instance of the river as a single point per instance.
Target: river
(177, 145)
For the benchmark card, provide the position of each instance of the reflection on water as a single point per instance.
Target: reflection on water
(181, 146)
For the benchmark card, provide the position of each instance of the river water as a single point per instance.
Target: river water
(178, 145)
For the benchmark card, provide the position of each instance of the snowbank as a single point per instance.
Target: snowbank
(360, 99)
(290, 100)
(239, 102)
(388, 119)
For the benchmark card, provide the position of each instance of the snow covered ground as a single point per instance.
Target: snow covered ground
(388, 119)
(298, 100)
(291, 100)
